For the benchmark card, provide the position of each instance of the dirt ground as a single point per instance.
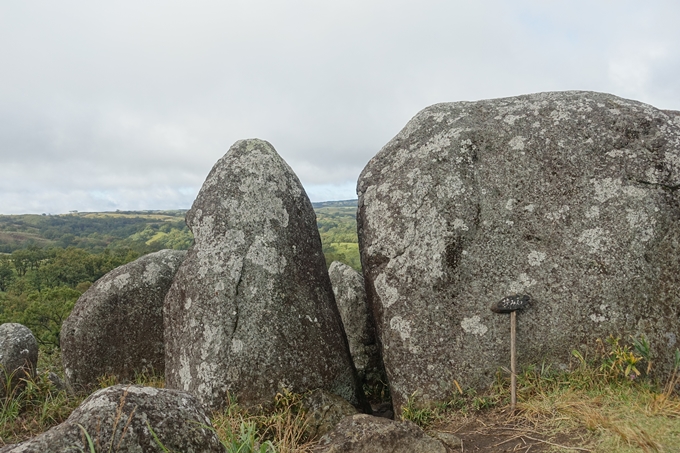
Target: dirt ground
(497, 433)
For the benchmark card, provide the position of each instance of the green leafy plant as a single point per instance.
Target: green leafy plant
(418, 414)
(245, 439)
(622, 361)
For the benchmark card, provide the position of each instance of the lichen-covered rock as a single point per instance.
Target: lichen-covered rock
(130, 419)
(367, 434)
(350, 297)
(18, 355)
(251, 310)
(570, 197)
(324, 410)
(116, 327)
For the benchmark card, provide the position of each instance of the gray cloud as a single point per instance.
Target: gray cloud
(127, 105)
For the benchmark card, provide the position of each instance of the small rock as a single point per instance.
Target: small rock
(130, 419)
(324, 411)
(450, 440)
(56, 381)
(367, 434)
(18, 355)
(384, 410)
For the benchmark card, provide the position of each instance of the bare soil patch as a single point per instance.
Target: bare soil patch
(497, 432)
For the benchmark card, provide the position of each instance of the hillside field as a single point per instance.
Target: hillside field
(149, 231)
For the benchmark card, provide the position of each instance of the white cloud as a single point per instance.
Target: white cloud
(137, 100)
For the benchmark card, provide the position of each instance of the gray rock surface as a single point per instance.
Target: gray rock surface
(350, 296)
(367, 434)
(571, 197)
(116, 327)
(118, 418)
(449, 439)
(251, 310)
(324, 410)
(18, 355)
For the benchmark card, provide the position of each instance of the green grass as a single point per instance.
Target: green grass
(610, 397)
(603, 398)
(37, 405)
(32, 407)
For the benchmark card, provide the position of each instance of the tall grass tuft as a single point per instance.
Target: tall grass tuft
(281, 429)
(33, 407)
(611, 395)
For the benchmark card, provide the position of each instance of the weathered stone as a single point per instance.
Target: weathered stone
(251, 310)
(18, 356)
(450, 440)
(571, 198)
(116, 327)
(130, 419)
(324, 410)
(57, 382)
(350, 296)
(367, 434)
(675, 114)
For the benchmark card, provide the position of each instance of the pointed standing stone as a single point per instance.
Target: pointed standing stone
(251, 310)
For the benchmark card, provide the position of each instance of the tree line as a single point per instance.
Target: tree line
(39, 286)
(57, 258)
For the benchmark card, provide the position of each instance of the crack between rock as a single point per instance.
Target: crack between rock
(656, 184)
(236, 309)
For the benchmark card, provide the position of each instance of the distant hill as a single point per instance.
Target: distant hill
(336, 204)
(149, 231)
(95, 231)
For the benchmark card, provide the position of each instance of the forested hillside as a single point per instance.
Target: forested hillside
(48, 261)
(338, 229)
(142, 231)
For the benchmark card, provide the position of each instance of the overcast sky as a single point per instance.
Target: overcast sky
(128, 104)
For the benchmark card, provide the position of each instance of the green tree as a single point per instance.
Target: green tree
(27, 259)
(69, 267)
(6, 273)
(12, 307)
(46, 311)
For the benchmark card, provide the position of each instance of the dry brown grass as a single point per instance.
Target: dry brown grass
(283, 428)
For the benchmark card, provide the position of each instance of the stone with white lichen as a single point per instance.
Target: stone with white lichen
(570, 196)
(126, 418)
(251, 310)
(350, 296)
(116, 326)
(18, 357)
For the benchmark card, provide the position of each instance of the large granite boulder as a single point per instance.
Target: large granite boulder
(130, 419)
(116, 327)
(350, 296)
(251, 310)
(367, 434)
(571, 197)
(18, 356)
